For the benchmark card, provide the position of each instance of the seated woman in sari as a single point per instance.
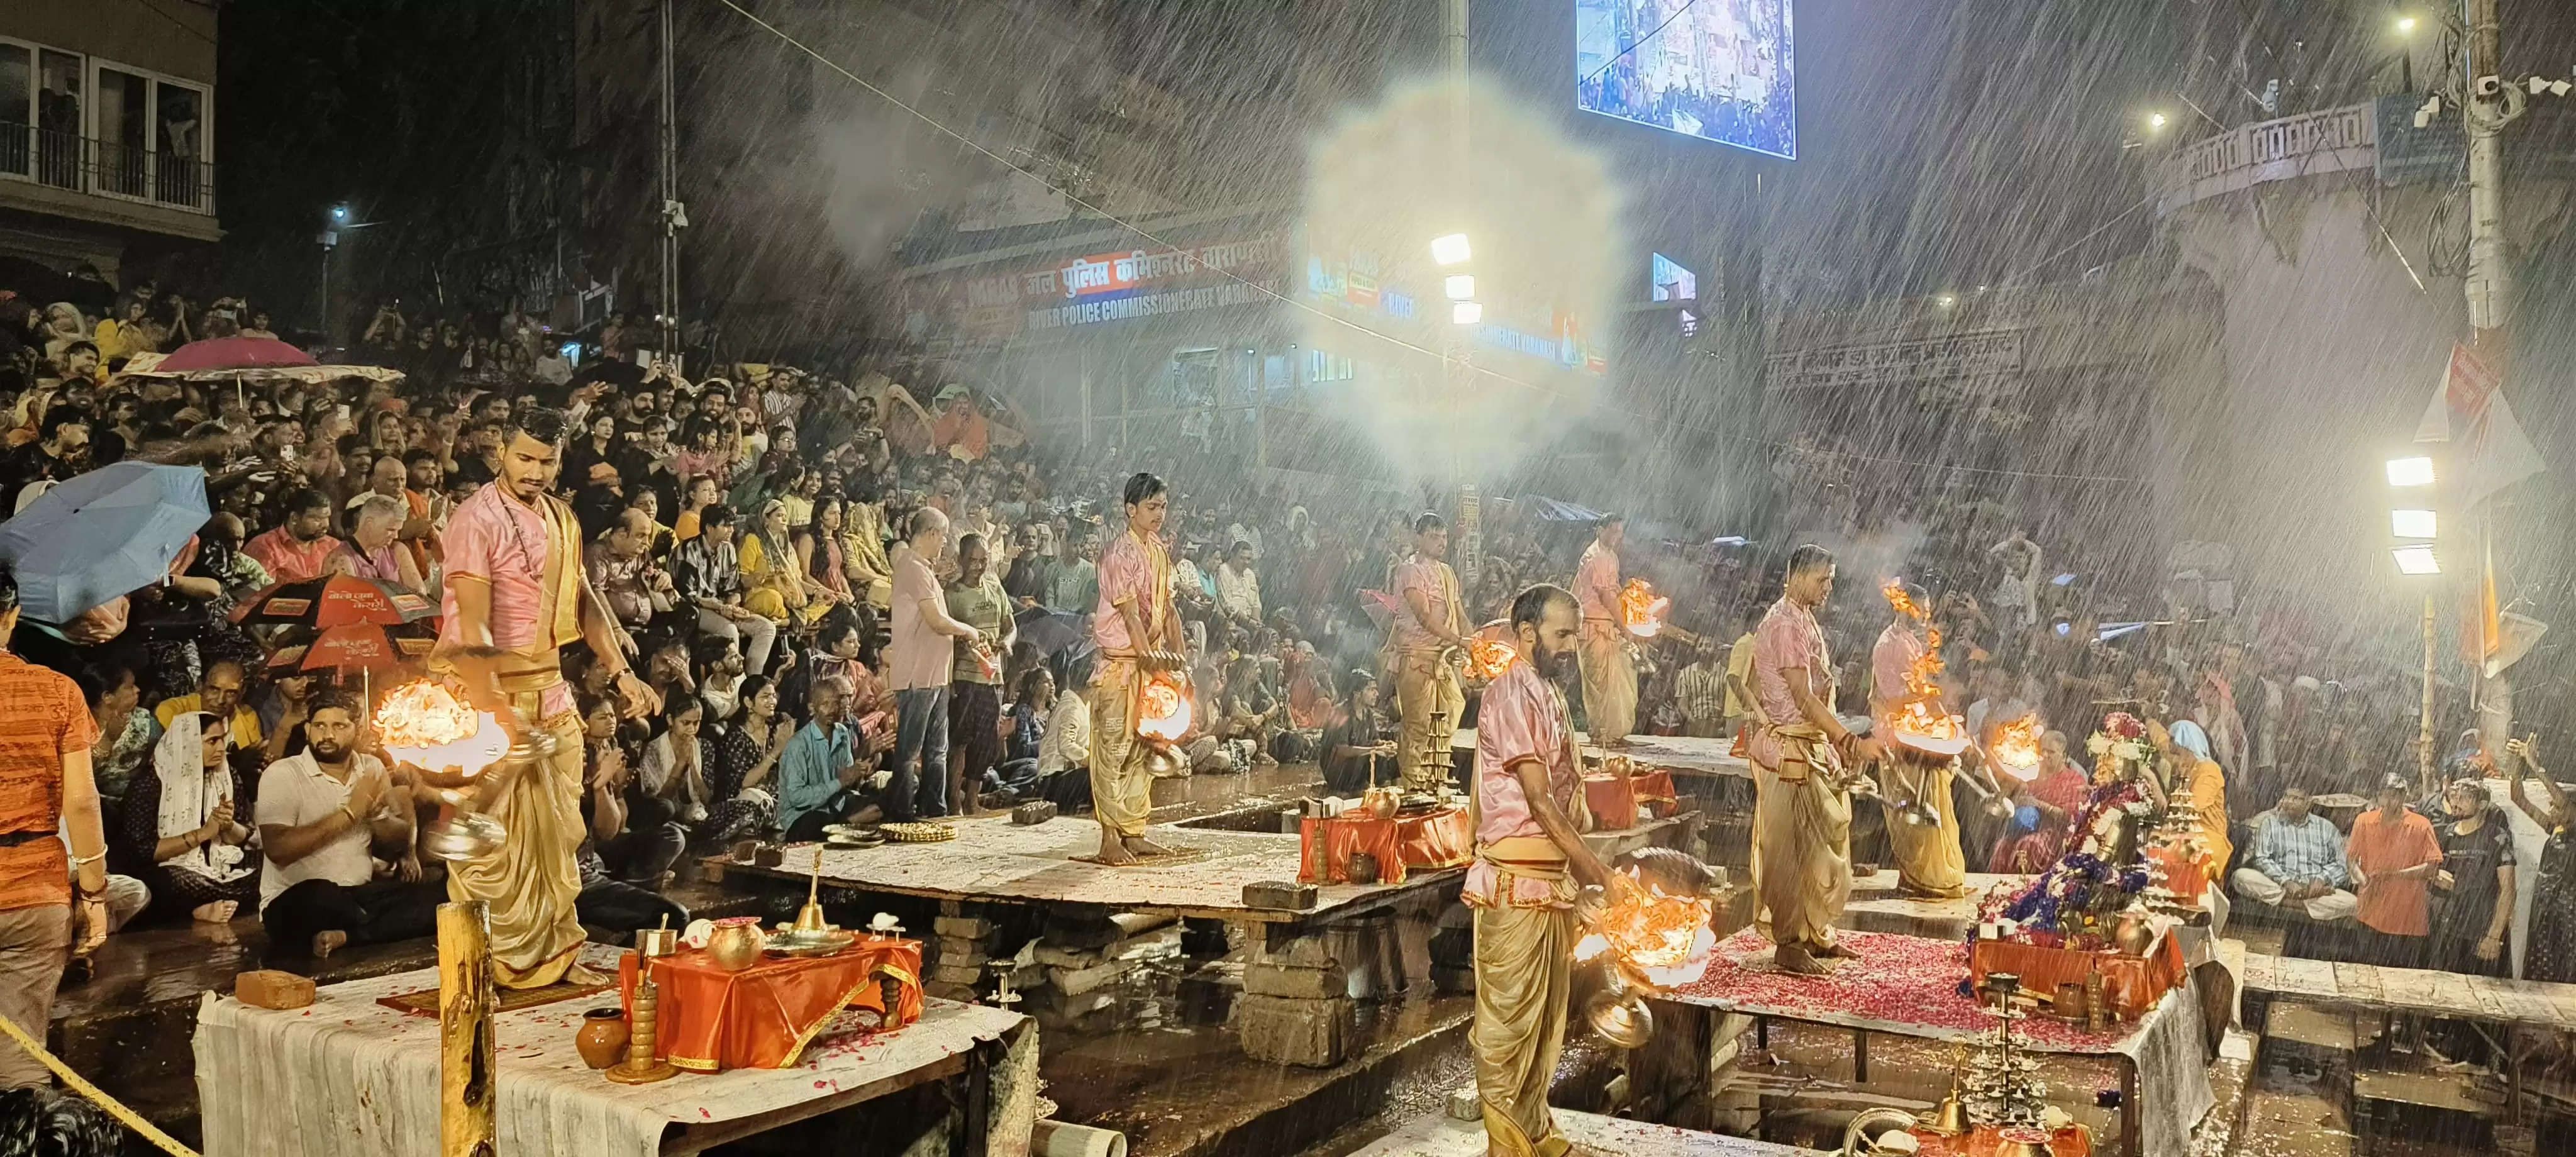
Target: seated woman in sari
(179, 831)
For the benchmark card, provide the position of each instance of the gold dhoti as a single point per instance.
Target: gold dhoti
(1928, 858)
(1609, 683)
(1524, 967)
(1429, 702)
(1802, 839)
(530, 883)
(1122, 787)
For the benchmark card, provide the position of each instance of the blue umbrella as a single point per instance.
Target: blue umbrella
(100, 535)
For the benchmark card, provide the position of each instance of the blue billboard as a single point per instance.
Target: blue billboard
(1720, 70)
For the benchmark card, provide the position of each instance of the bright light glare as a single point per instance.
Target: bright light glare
(2416, 560)
(2411, 524)
(1466, 312)
(2410, 471)
(1450, 250)
(1459, 286)
(2405, 24)
(2155, 120)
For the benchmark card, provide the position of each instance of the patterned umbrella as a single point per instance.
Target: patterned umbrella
(354, 647)
(332, 601)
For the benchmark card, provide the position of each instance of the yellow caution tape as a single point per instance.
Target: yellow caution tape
(130, 1118)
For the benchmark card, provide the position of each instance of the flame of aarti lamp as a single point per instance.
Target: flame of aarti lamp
(2016, 747)
(1163, 717)
(1917, 725)
(1641, 609)
(427, 726)
(1487, 659)
(1651, 941)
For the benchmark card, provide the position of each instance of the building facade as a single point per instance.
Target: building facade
(107, 131)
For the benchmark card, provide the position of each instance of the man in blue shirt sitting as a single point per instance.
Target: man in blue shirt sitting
(2297, 858)
(820, 778)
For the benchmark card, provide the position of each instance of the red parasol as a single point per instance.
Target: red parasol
(331, 601)
(355, 647)
(232, 353)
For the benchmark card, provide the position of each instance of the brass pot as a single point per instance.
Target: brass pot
(602, 1039)
(736, 943)
(2133, 932)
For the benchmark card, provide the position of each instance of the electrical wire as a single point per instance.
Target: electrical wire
(1444, 357)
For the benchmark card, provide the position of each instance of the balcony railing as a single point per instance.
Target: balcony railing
(105, 168)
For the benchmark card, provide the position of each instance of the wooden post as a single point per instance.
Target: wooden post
(465, 1004)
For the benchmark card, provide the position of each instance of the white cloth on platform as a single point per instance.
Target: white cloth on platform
(351, 1078)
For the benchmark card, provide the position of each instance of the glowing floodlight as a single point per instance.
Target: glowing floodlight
(1466, 312)
(2403, 472)
(1459, 286)
(2411, 524)
(2416, 560)
(1450, 250)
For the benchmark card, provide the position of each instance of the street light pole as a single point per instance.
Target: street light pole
(667, 322)
(2490, 103)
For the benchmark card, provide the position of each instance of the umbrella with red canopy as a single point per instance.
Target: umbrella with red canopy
(248, 359)
(331, 601)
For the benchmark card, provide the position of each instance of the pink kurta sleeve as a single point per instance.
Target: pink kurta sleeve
(1891, 663)
(471, 541)
(1596, 585)
(1124, 578)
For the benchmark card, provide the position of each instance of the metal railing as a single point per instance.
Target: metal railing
(105, 168)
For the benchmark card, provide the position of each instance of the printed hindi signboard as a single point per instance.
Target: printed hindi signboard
(1968, 355)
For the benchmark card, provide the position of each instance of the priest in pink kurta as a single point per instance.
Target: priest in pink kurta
(1609, 671)
(1530, 857)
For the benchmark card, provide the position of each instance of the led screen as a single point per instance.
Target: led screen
(1715, 69)
(1674, 283)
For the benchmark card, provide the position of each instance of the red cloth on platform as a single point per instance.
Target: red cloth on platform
(1440, 839)
(763, 1016)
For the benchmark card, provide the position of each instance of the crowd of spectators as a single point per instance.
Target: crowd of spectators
(860, 601)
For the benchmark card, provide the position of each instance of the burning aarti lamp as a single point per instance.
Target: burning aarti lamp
(460, 754)
(1651, 941)
(1163, 717)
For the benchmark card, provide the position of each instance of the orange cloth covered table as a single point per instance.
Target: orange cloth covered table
(2071, 1141)
(1612, 800)
(1439, 839)
(763, 1016)
(2133, 984)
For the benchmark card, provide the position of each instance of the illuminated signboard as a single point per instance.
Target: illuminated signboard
(1719, 70)
(1674, 283)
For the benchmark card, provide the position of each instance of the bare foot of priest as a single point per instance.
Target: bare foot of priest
(1792, 958)
(1113, 851)
(1837, 950)
(1141, 846)
(580, 973)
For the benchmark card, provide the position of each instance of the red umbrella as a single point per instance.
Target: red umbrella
(331, 601)
(232, 353)
(355, 647)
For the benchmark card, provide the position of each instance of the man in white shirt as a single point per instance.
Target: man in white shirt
(1238, 587)
(322, 816)
(1064, 756)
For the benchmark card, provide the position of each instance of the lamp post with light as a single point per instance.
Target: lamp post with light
(2413, 528)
